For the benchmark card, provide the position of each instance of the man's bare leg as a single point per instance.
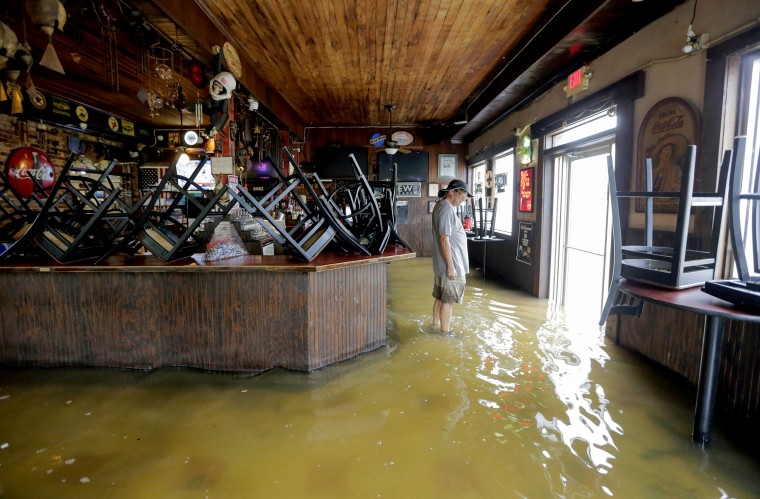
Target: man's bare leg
(446, 317)
(437, 313)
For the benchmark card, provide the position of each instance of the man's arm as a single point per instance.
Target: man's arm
(451, 272)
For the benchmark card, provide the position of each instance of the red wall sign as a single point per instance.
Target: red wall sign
(526, 189)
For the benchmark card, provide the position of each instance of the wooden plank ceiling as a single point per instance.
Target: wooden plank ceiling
(339, 62)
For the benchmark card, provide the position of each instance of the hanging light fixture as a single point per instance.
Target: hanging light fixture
(391, 147)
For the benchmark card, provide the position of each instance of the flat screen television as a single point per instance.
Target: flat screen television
(260, 170)
(412, 167)
(333, 162)
(205, 178)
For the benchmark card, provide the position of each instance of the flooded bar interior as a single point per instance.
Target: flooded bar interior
(222, 225)
(517, 403)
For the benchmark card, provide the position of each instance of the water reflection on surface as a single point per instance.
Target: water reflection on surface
(513, 404)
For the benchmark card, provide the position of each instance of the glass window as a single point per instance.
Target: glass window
(592, 125)
(504, 191)
(750, 126)
(478, 181)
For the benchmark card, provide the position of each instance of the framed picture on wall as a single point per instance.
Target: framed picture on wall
(432, 190)
(526, 189)
(447, 165)
(667, 130)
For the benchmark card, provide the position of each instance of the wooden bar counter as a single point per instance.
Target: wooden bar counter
(249, 313)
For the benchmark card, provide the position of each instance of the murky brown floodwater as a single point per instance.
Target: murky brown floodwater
(514, 404)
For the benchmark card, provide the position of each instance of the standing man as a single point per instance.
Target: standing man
(450, 260)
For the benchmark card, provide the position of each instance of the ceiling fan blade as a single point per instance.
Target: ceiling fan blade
(404, 150)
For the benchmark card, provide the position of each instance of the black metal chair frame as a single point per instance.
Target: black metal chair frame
(170, 239)
(22, 217)
(484, 219)
(16, 211)
(744, 291)
(385, 194)
(674, 267)
(87, 217)
(345, 239)
(361, 214)
(308, 237)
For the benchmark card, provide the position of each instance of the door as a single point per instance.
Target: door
(581, 234)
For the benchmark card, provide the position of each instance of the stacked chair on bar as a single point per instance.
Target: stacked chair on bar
(384, 195)
(484, 218)
(673, 267)
(159, 229)
(25, 186)
(304, 240)
(744, 232)
(353, 204)
(86, 216)
(81, 218)
(364, 234)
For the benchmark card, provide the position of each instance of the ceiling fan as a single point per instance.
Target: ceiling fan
(395, 142)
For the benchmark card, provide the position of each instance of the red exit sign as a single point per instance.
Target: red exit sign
(577, 81)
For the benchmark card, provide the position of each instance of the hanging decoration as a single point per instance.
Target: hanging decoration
(15, 58)
(162, 83)
(8, 44)
(48, 15)
(109, 14)
(220, 89)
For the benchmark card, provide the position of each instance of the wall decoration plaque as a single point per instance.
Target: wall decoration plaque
(670, 126)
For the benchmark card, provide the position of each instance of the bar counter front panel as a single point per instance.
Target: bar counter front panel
(248, 313)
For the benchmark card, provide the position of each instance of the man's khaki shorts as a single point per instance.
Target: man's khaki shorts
(449, 291)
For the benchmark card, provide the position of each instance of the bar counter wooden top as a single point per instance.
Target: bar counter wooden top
(271, 263)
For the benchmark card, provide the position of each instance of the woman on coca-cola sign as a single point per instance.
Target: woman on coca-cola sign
(666, 172)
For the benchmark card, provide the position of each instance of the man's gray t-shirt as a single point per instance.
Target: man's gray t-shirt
(447, 223)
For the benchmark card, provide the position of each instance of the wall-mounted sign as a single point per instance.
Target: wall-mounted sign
(59, 111)
(525, 242)
(377, 140)
(128, 128)
(402, 138)
(61, 107)
(409, 189)
(113, 123)
(232, 60)
(526, 189)
(82, 113)
(667, 129)
(577, 82)
(447, 165)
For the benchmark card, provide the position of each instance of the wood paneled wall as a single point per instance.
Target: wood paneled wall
(233, 318)
(673, 338)
(416, 231)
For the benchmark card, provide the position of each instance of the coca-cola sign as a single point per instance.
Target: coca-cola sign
(27, 170)
(670, 126)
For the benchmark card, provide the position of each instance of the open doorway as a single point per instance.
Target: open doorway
(581, 227)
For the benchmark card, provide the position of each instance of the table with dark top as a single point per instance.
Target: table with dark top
(715, 312)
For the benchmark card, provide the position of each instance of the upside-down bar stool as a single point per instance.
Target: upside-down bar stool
(484, 218)
(346, 240)
(744, 228)
(86, 216)
(361, 213)
(385, 193)
(307, 238)
(171, 239)
(676, 266)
